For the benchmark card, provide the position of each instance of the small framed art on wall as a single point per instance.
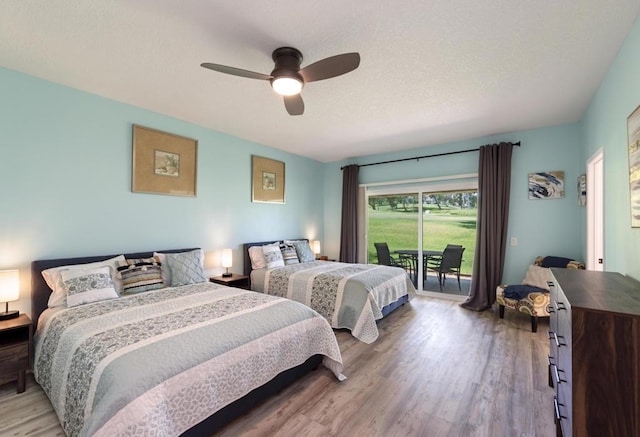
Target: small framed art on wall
(163, 163)
(546, 185)
(267, 180)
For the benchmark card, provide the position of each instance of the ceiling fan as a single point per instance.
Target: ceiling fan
(287, 78)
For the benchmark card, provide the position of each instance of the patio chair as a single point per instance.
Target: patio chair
(384, 256)
(449, 262)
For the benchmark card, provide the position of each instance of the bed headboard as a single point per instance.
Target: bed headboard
(245, 252)
(40, 291)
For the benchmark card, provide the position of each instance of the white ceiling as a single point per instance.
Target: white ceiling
(432, 71)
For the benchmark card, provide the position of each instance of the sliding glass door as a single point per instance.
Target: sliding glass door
(417, 227)
(392, 219)
(448, 219)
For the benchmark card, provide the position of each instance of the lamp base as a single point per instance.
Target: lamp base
(227, 275)
(9, 315)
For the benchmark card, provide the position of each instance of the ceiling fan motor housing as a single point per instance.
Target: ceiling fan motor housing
(287, 63)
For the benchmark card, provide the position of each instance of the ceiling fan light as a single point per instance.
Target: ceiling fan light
(286, 86)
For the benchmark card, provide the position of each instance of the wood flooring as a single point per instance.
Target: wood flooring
(436, 370)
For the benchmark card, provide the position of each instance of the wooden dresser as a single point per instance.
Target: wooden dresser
(594, 364)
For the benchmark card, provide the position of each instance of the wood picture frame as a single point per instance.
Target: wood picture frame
(267, 180)
(163, 163)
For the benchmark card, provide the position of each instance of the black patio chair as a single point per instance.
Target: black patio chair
(385, 258)
(449, 262)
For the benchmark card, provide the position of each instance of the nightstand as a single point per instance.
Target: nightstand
(235, 280)
(15, 345)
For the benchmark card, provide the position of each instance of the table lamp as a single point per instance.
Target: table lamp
(9, 291)
(316, 248)
(227, 261)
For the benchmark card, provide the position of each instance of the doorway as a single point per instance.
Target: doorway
(595, 212)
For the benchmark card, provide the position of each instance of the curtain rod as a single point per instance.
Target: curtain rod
(417, 158)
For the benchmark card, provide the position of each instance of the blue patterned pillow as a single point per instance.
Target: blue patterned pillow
(186, 267)
(303, 249)
(140, 275)
(289, 254)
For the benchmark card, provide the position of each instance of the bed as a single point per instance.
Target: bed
(183, 360)
(350, 296)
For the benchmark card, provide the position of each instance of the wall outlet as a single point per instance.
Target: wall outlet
(514, 241)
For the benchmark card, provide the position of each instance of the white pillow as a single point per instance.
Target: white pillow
(537, 277)
(88, 285)
(53, 279)
(273, 256)
(258, 260)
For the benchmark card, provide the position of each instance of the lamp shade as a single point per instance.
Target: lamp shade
(227, 258)
(316, 247)
(9, 285)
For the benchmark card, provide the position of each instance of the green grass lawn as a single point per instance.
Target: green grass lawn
(399, 230)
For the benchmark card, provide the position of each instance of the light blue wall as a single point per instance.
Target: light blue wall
(605, 126)
(66, 178)
(65, 184)
(542, 227)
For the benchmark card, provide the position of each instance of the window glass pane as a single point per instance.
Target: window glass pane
(393, 219)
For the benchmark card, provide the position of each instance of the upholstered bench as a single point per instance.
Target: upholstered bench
(532, 296)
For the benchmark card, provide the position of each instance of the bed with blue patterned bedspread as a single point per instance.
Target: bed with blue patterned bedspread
(350, 296)
(162, 361)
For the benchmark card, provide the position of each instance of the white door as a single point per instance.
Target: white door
(595, 212)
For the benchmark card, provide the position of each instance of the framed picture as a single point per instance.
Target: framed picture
(163, 163)
(267, 180)
(582, 190)
(633, 131)
(546, 185)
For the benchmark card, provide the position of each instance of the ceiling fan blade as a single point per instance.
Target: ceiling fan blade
(236, 71)
(330, 67)
(294, 104)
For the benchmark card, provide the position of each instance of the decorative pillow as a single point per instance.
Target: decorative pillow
(273, 256)
(87, 286)
(140, 275)
(186, 267)
(166, 273)
(555, 261)
(258, 260)
(53, 279)
(303, 249)
(289, 254)
(537, 277)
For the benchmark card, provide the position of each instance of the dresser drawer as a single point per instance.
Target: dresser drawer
(560, 345)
